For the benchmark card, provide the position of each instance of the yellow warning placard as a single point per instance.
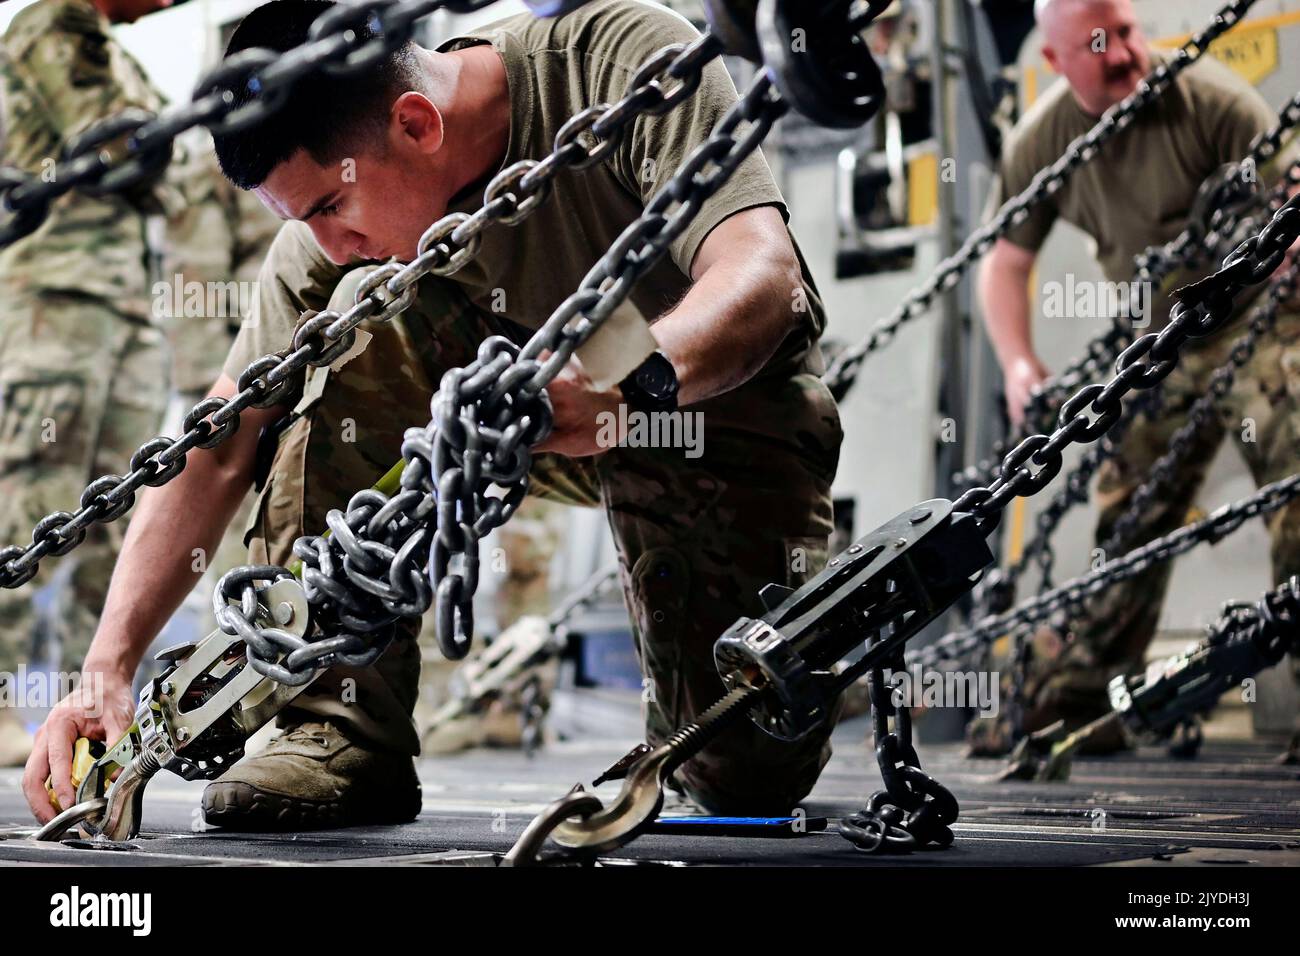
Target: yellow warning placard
(1252, 53)
(1250, 49)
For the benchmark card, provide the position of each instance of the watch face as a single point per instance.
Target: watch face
(657, 377)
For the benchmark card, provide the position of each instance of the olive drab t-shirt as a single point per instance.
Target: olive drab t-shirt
(1138, 190)
(555, 69)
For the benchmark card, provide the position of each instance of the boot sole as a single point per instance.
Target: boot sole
(241, 807)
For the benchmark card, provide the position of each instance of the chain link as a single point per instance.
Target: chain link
(487, 416)
(996, 592)
(993, 593)
(1224, 205)
(1046, 183)
(913, 809)
(1201, 309)
(369, 571)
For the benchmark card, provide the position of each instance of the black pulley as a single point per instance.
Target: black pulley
(819, 61)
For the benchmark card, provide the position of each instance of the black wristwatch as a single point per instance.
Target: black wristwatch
(652, 385)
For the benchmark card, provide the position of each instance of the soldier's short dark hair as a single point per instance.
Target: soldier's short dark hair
(330, 117)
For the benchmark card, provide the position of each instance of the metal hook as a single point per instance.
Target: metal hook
(71, 817)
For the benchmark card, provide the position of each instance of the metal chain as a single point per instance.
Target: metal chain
(342, 42)
(1226, 202)
(1222, 204)
(995, 596)
(1220, 211)
(1046, 183)
(444, 248)
(318, 340)
(370, 570)
(1201, 309)
(1074, 592)
(1038, 549)
(487, 416)
(914, 809)
(1076, 483)
(998, 594)
(1202, 412)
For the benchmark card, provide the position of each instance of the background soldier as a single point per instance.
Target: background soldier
(1136, 193)
(83, 366)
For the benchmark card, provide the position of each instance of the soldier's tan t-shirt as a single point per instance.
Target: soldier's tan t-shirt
(555, 69)
(1138, 190)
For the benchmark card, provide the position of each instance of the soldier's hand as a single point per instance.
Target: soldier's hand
(1021, 376)
(101, 708)
(586, 419)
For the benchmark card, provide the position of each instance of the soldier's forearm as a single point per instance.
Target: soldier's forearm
(171, 527)
(746, 298)
(1004, 302)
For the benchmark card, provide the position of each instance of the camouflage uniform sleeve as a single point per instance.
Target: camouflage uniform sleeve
(78, 73)
(198, 253)
(199, 234)
(294, 277)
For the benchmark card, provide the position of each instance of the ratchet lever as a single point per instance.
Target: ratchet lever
(192, 720)
(109, 790)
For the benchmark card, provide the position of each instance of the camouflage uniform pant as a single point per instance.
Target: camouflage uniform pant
(1262, 415)
(697, 538)
(82, 385)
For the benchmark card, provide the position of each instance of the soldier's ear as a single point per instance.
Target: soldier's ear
(415, 122)
(1049, 54)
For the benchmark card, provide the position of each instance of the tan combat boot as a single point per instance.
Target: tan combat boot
(314, 777)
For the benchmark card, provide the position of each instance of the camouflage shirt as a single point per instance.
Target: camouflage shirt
(60, 70)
